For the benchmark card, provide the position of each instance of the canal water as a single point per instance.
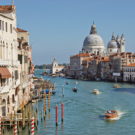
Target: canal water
(83, 110)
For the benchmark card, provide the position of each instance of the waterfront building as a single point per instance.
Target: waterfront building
(76, 63)
(104, 70)
(12, 70)
(26, 68)
(56, 68)
(85, 65)
(118, 62)
(129, 73)
(93, 68)
(8, 60)
(96, 61)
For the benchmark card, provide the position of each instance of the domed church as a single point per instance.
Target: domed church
(93, 43)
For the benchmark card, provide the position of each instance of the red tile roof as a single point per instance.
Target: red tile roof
(6, 8)
(105, 59)
(81, 55)
(20, 30)
(131, 65)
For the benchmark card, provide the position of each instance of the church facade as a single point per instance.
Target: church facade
(93, 43)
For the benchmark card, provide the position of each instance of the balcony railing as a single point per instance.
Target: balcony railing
(4, 89)
(5, 63)
(8, 63)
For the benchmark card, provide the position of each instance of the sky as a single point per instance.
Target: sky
(58, 27)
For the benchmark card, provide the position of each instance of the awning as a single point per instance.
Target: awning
(4, 73)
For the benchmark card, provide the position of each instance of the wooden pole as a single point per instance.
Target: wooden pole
(62, 92)
(49, 99)
(45, 103)
(62, 112)
(0, 127)
(56, 116)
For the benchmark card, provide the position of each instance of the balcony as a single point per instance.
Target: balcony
(9, 63)
(5, 63)
(4, 89)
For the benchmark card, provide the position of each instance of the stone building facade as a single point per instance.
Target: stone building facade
(129, 73)
(11, 70)
(8, 60)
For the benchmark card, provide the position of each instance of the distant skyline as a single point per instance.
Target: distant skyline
(57, 28)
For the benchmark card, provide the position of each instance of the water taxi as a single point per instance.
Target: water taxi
(111, 115)
(96, 92)
(116, 86)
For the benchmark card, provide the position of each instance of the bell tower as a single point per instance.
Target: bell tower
(122, 43)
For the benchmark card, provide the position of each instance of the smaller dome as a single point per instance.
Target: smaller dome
(112, 44)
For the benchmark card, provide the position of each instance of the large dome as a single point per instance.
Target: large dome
(92, 40)
(93, 43)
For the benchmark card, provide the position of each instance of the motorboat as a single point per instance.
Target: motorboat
(66, 83)
(74, 89)
(53, 92)
(96, 92)
(116, 86)
(111, 115)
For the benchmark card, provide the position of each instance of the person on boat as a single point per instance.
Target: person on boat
(109, 111)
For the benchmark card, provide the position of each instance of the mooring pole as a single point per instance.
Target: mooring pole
(32, 126)
(0, 127)
(15, 127)
(62, 112)
(56, 116)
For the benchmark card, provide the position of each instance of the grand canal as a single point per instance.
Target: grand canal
(83, 109)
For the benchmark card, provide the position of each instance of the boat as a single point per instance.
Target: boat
(34, 100)
(74, 89)
(96, 92)
(116, 86)
(53, 92)
(66, 83)
(111, 115)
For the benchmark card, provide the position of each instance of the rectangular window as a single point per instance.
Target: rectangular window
(16, 74)
(0, 24)
(20, 58)
(13, 98)
(3, 25)
(25, 59)
(11, 29)
(6, 26)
